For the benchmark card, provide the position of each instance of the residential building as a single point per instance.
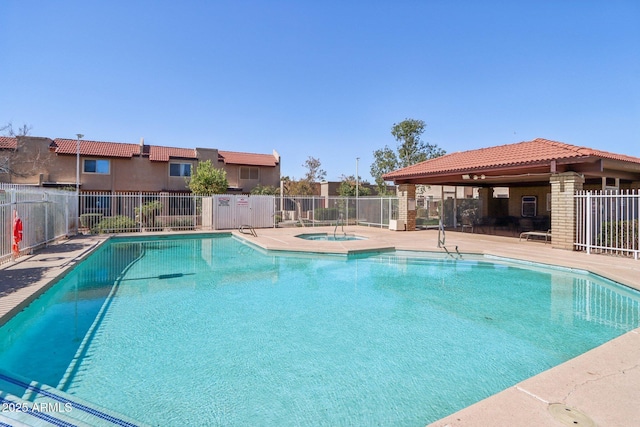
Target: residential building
(126, 167)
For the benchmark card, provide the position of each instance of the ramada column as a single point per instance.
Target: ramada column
(485, 194)
(407, 205)
(563, 208)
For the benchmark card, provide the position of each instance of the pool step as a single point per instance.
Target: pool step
(44, 405)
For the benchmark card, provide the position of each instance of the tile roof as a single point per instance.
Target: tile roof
(251, 159)
(163, 154)
(8, 142)
(120, 149)
(96, 148)
(536, 152)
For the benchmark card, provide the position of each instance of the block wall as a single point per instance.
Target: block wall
(563, 208)
(407, 205)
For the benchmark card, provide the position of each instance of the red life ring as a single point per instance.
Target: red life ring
(17, 235)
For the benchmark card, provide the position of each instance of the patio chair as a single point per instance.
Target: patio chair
(530, 234)
(467, 223)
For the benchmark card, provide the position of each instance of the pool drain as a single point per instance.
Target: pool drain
(570, 416)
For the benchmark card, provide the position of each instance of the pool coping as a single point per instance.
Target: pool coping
(601, 383)
(25, 279)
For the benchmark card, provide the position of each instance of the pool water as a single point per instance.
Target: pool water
(210, 331)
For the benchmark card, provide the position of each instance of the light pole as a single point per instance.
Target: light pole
(357, 189)
(78, 135)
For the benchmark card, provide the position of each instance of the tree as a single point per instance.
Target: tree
(291, 187)
(348, 187)
(410, 150)
(305, 186)
(208, 180)
(314, 171)
(385, 161)
(23, 130)
(27, 159)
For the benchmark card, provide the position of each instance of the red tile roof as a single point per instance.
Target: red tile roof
(527, 153)
(96, 148)
(163, 154)
(8, 142)
(250, 159)
(119, 149)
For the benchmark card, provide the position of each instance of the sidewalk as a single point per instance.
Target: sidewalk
(25, 279)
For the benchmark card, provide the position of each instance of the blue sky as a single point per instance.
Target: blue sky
(325, 79)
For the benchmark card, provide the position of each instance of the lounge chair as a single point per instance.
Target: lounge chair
(530, 234)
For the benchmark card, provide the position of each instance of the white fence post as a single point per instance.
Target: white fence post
(66, 216)
(586, 203)
(608, 222)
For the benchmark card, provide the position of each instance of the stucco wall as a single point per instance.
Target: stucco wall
(515, 199)
(140, 174)
(28, 161)
(266, 176)
(62, 169)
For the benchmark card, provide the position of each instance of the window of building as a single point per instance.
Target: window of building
(96, 204)
(96, 166)
(247, 172)
(529, 206)
(179, 169)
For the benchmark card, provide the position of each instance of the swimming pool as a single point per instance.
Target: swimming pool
(206, 331)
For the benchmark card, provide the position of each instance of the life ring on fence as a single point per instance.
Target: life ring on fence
(17, 234)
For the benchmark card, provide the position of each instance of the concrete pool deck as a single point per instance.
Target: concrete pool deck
(602, 385)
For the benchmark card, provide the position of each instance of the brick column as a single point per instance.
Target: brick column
(563, 208)
(407, 205)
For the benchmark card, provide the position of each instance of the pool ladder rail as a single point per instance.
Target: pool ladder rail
(441, 243)
(457, 255)
(247, 229)
(340, 222)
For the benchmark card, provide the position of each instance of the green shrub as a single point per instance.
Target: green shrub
(90, 220)
(146, 214)
(268, 190)
(324, 214)
(620, 234)
(426, 221)
(333, 214)
(115, 224)
(174, 221)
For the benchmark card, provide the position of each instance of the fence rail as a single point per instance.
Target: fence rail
(313, 211)
(46, 215)
(127, 212)
(607, 222)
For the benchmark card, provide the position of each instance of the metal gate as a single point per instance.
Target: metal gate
(231, 211)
